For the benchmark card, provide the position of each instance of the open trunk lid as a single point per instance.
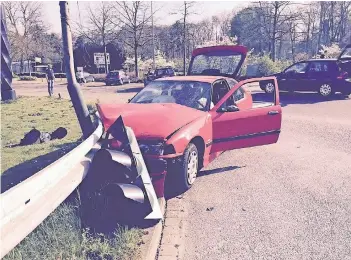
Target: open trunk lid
(222, 60)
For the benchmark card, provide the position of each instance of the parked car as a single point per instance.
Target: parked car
(87, 78)
(182, 123)
(159, 73)
(117, 77)
(325, 76)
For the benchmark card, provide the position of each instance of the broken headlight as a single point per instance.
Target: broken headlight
(151, 148)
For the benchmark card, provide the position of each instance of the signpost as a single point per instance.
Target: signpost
(99, 60)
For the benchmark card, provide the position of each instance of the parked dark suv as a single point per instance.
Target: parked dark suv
(325, 76)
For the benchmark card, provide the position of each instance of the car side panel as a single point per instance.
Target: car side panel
(201, 127)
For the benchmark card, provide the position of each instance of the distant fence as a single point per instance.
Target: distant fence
(27, 204)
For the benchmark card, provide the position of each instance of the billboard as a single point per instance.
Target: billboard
(99, 58)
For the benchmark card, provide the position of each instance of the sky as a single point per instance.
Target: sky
(203, 9)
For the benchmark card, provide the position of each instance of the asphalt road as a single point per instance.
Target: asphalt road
(290, 200)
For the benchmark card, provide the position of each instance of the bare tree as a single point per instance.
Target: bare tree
(186, 11)
(134, 17)
(24, 26)
(101, 26)
(275, 15)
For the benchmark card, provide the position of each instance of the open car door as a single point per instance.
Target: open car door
(344, 60)
(242, 118)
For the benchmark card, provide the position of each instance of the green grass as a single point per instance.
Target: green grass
(45, 114)
(61, 235)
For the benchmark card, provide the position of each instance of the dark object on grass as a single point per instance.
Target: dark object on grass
(32, 137)
(59, 133)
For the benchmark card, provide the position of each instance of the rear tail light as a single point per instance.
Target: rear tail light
(343, 75)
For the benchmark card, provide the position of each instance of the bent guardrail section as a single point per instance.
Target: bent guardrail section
(27, 204)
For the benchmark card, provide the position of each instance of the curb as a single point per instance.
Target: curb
(156, 234)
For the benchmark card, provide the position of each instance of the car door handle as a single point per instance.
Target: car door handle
(273, 112)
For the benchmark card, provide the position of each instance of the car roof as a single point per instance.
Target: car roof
(321, 60)
(200, 78)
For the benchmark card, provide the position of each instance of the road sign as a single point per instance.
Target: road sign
(99, 58)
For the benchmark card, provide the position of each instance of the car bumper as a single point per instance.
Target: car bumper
(112, 81)
(158, 170)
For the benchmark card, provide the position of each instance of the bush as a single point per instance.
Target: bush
(265, 66)
(28, 78)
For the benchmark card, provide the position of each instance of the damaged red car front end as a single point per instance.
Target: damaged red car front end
(152, 129)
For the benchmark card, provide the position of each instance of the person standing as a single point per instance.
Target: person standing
(50, 77)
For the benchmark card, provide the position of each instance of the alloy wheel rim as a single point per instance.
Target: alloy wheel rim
(269, 88)
(325, 89)
(192, 167)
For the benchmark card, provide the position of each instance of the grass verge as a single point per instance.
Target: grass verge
(61, 235)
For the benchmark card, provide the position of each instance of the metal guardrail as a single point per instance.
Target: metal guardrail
(27, 204)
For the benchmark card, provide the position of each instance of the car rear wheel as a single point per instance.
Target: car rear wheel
(188, 168)
(269, 87)
(326, 90)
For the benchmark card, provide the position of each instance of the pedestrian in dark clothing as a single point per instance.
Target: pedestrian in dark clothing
(50, 77)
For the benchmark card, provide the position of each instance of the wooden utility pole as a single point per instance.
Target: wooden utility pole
(153, 39)
(73, 87)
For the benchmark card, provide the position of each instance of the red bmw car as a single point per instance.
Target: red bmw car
(183, 123)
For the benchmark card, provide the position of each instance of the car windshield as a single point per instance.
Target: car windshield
(113, 74)
(220, 63)
(192, 94)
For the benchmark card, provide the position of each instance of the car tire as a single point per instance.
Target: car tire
(268, 87)
(188, 168)
(121, 82)
(326, 90)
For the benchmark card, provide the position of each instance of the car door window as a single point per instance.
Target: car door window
(239, 94)
(220, 89)
(298, 68)
(318, 66)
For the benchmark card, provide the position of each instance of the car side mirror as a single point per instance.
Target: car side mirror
(231, 108)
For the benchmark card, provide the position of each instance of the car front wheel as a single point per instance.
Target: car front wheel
(326, 90)
(188, 168)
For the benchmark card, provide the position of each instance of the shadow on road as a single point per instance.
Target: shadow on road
(172, 191)
(219, 170)
(297, 98)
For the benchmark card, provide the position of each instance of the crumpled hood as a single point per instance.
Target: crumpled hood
(149, 121)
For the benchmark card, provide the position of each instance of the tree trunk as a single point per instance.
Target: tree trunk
(105, 56)
(274, 30)
(136, 55)
(29, 69)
